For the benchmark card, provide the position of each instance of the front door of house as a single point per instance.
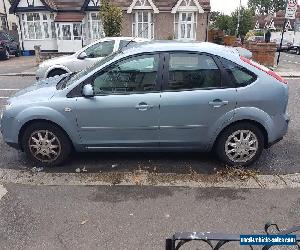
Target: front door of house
(69, 36)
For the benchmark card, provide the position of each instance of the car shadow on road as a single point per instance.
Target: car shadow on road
(158, 162)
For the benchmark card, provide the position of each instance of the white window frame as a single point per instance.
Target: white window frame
(178, 23)
(59, 29)
(91, 35)
(136, 22)
(41, 21)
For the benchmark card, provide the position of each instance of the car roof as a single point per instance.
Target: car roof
(165, 46)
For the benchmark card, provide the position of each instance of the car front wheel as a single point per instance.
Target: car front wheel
(240, 144)
(46, 144)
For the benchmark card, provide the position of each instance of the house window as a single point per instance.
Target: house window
(38, 26)
(34, 26)
(142, 25)
(95, 26)
(77, 31)
(185, 25)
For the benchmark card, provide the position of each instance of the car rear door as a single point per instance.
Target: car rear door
(194, 104)
(125, 109)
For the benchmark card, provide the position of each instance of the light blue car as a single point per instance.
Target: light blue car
(168, 96)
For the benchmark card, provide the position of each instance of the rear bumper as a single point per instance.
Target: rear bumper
(281, 126)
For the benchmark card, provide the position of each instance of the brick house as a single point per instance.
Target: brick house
(275, 24)
(67, 25)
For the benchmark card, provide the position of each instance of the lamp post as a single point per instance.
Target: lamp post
(239, 19)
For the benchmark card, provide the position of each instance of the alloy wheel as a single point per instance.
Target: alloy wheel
(44, 146)
(241, 146)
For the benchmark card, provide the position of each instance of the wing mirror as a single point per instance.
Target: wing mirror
(82, 55)
(88, 90)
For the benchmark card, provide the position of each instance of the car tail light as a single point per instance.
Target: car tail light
(264, 69)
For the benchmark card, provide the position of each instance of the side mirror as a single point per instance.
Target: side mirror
(87, 90)
(82, 55)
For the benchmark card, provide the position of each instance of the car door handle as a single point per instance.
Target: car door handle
(142, 106)
(217, 103)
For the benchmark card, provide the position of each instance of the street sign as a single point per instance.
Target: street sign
(291, 9)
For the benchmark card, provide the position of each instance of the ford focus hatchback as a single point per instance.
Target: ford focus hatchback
(159, 96)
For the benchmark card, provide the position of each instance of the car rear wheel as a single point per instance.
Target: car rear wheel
(240, 144)
(298, 51)
(46, 144)
(56, 72)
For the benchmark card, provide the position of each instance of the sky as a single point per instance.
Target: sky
(226, 6)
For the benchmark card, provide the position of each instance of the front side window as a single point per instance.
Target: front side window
(100, 49)
(142, 25)
(238, 75)
(193, 71)
(185, 25)
(133, 75)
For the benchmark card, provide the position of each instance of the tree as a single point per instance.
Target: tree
(266, 7)
(111, 17)
(246, 20)
(224, 22)
(214, 15)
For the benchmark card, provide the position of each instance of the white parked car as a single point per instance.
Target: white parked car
(85, 57)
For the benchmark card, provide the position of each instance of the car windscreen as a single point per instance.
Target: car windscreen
(74, 77)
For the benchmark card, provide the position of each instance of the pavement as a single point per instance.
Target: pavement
(18, 66)
(135, 217)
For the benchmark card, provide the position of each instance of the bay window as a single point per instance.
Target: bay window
(38, 26)
(185, 25)
(142, 25)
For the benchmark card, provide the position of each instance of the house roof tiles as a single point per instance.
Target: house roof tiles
(80, 5)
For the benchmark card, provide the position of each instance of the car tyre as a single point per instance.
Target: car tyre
(46, 144)
(56, 72)
(236, 152)
(17, 53)
(298, 51)
(6, 55)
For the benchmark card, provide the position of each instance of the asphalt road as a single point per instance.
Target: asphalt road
(279, 159)
(136, 217)
(289, 62)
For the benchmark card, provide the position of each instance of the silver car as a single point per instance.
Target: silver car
(85, 57)
(168, 96)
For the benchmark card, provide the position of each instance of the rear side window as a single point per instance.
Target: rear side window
(126, 44)
(192, 71)
(238, 75)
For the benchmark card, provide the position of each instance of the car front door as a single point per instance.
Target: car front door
(193, 102)
(125, 109)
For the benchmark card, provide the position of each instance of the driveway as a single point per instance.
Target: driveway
(17, 65)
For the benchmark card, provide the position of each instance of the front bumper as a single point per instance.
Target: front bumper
(41, 73)
(7, 131)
